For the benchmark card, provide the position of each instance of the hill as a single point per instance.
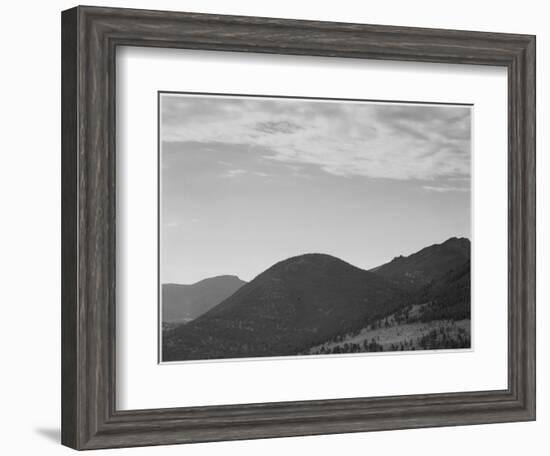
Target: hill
(181, 303)
(437, 316)
(298, 302)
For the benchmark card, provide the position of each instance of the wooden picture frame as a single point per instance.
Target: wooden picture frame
(90, 36)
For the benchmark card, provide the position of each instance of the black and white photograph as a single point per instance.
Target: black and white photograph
(277, 221)
(299, 226)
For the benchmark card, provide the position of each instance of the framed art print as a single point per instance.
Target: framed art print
(338, 220)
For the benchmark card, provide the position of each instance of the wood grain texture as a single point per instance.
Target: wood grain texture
(69, 227)
(89, 39)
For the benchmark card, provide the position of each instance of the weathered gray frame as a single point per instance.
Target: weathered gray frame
(90, 36)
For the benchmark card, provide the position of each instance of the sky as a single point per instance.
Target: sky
(246, 182)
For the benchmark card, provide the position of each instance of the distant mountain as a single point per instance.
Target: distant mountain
(428, 264)
(294, 304)
(186, 302)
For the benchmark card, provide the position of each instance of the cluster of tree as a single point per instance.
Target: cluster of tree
(351, 347)
(443, 338)
(403, 316)
(403, 345)
(448, 299)
(441, 310)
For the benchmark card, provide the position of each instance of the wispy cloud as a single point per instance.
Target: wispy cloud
(233, 173)
(431, 188)
(346, 139)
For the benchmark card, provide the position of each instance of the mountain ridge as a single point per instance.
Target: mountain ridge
(202, 281)
(307, 299)
(419, 268)
(182, 302)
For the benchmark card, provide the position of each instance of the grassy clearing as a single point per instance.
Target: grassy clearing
(388, 335)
